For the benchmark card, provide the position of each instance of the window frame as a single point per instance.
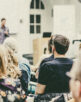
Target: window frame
(35, 24)
(34, 5)
(34, 11)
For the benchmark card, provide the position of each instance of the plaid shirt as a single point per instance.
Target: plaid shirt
(48, 97)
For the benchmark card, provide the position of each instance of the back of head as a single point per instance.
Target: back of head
(61, 44)
(12, 68)
(11, 43)
(3, 19)
(50, 43)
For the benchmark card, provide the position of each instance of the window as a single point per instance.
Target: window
(35, 24)
(31, 18)
(42, 5)
(38, 29)
(37, 4)
(35, 18)
(38, 19)
(32, 4)
(32, 29)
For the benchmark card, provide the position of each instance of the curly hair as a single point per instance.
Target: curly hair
(13, 70)
(3, 61)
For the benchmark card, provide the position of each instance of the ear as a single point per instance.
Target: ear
(53, 48)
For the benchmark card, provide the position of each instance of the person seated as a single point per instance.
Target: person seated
(75, 80)
(50, 49)
(17, 64)
(52, 75)
(10, 89)
(47, 57)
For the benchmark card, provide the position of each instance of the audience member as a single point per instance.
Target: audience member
(48, 57)
(13, 70)
(50, 49)
(10, 89)
(52, 75)
(19, 63)
(75, 82)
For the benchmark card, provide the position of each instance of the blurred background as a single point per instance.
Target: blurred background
(32, 22)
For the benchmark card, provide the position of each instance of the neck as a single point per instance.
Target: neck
(56, 55)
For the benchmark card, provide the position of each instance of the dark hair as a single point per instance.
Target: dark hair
(3, 19)
(45, 49)
(50, 43)
(61, 44)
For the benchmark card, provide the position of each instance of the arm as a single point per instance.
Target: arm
(6, 32)
(40, 89)
(42, 80)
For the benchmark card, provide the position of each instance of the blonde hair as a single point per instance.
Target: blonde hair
(3, 61)
(13, 70)
(11, 43)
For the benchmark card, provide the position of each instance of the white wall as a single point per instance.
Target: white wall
(23, 28)
(64, 20)
(47, 24)
(78, 15)
(47, 18)
(46, 21)
(64, 23)
(13, 11)
(8, 9)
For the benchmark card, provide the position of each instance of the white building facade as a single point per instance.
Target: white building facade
(18, 12)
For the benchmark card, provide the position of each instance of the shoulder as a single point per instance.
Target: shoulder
(52, 62)
(24, 60)
(43, 57)
(69, 60)
(43, 67)
(47, 59)
(48, 65)
(44, 60)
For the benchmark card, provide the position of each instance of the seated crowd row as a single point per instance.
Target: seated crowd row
(57, 72)
(53, 75)
(14, 73)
